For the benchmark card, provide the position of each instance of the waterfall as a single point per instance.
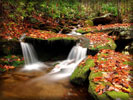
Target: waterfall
(28, 53)
(30, 57)
(66, 67)
(73, 32)
(77, 53)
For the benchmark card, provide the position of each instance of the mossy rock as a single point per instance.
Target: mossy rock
(80, 74)
(81, 30)
(108, 95)
(53, 39)
(10, 47)
(89, 23)
(109, 45)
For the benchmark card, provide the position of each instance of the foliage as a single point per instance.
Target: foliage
(112, 68)
(21, 9)
(10, 62)
(109, 8)
(124, 26)
(100, 41)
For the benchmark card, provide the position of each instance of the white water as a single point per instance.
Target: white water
(30, 58)
(73, 32)
(66, 67)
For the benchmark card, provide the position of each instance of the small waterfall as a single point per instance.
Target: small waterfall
(30, 58)
(28, 53)
(66, 67)
(77, 53)
(73, 32)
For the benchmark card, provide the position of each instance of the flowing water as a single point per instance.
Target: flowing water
(32, 85)
(66, 67)
(18, 85)
(30, 57)
(73, 32)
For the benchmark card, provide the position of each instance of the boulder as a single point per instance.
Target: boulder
(109, 45)
(105, 19)
(108, 95)
(79, 76)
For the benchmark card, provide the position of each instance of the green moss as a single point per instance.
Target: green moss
(112, 44)
(109, 45)
(61, 38)
(114, 95)
(80, 30)
(93, 75)
(109, 95)
(89, 22)
(81, 72)
(91, 90)
(34, 38)
(54, 38)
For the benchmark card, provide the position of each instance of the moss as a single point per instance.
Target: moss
(80, 30)
(54, 38)
(93, 75)
(33, 38)
(110, 45)
(109, 95)
(114, 95)
(91, 90)
(81, 72)
(61, 38)
(89, 22)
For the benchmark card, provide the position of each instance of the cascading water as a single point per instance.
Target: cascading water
(30, 58)
(73, 32)
(66, 67)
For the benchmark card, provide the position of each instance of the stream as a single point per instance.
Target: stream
(29, 85)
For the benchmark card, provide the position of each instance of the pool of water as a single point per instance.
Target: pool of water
(32, 85)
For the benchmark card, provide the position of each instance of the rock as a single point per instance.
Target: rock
(80, 74)
(88, 23)
(109, 95)
(105, 19)
(109, 45)
(10, 47)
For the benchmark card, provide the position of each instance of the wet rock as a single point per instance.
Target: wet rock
(10, 47)
(80, 74)
(6, 76)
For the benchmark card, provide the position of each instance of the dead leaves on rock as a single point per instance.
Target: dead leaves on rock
(115, 72)
(13, 30)
(98, 39)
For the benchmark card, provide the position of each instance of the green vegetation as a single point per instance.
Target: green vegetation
(12, 60)
(63, 8)
(81, 72)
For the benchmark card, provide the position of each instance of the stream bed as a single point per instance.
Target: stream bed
(30, 85)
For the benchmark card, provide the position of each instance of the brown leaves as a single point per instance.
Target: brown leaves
(104, 27)
(98, 39)
(114, 71)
